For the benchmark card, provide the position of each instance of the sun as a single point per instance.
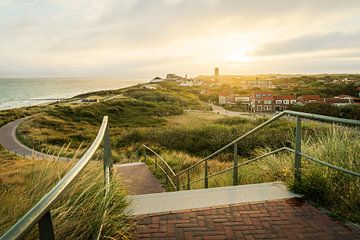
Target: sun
(238, 56)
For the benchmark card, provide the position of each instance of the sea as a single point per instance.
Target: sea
(22, 92)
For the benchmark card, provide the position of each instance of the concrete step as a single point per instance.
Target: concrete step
(201, 198)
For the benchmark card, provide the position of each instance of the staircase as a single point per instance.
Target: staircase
(203, 198)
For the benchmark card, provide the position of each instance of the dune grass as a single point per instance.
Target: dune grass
(79, 214)
(336, 191)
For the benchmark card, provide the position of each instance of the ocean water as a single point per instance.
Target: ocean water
(23, 92)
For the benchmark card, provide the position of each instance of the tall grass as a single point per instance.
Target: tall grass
(82, 210)
(334, 190)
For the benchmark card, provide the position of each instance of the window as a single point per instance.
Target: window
(278, 101)
(293, 101)
(267, 102)
(267, 108)
(286, 101)
(259, 108)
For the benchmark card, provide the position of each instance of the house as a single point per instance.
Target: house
(281, 103)
(257, 83)
(338, 101)
(354, 100)
(190, 82)
(156, 79)
(304, 99)
(243, 99)
(89, 100)
(225, 97)
(261, 102)
(343, 96)
(358, 89)
(147, 86)
(174, 77)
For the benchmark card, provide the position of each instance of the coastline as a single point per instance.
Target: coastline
(38, 101)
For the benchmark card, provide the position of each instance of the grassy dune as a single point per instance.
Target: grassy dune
(81, 210)
(336, 191)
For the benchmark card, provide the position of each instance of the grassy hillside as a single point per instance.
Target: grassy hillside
(81, 210)
(328, 188)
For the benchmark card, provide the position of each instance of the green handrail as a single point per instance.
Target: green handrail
(41, 213)
(296, 151)
(167, 177)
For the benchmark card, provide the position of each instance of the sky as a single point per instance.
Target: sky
(141, 39)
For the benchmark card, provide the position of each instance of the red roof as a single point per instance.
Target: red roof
(358, 88)
(310, 97)
(266, 98)
(336, 100)
(285, 97)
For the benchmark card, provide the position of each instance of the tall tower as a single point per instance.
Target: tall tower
(216, 73)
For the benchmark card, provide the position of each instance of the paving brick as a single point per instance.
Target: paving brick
(282, 219)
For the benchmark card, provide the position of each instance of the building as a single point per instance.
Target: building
(225, 97)
(156, 79)
(174, 77)
(358, 89)
(281, 103)
(354, 100)
(305, 99)
(338, 101)
(190, 82)
(261, 102)
(262, 84)
(216, 75)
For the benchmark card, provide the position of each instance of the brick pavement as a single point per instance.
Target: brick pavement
(138, 179)
(281, 219)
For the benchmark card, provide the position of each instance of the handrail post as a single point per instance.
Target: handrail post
(188, 179)
(206, 179)
(107, 159)
(46, 230)
(156, 163)
(298, 152)
(177, 183)
(235, 170)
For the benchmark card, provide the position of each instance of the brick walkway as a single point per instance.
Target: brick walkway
(138, 179)
(282, 219)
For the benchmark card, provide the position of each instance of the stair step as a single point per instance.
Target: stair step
(201, 198)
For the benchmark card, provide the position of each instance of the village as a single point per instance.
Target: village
(262, 95)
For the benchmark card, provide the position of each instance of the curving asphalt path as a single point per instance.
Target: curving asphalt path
(11, 143)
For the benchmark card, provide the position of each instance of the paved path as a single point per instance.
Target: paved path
(11, 143)
(138, 179)
(281, 219)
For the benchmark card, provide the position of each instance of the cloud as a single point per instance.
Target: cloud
(311, 43)
(90, 35)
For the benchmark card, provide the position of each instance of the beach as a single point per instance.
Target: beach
(23, 92)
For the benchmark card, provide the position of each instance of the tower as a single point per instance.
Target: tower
(216, 73)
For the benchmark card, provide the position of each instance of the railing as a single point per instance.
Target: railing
(41, 213)
(297, 151)
(167, 170)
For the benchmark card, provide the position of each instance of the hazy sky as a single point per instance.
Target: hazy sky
(147, 38)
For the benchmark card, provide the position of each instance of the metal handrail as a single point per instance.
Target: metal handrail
(40, 213)
(279, 115)
(243, 163)
(163, 170)
(162, 159)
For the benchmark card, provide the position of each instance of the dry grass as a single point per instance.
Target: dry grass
(194, 119)
(81, 210)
